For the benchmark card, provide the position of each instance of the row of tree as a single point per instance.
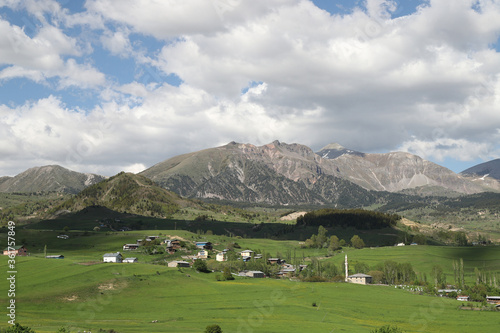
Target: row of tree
(355, 218)
(332, 243)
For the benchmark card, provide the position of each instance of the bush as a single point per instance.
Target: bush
(200, 266)
(388, 329)
(17, 328)
(213, 329)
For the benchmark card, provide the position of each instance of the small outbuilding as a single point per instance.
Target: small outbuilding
(274, 261)
(177, 263)
(130, 260)
(204, 245)
(493, 300)
(20, 250)
(128, 247)
(255, 274)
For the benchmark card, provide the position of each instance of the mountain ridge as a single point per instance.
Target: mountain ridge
(294, 174)
(49, 178)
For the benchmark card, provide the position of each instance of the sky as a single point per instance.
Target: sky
(105, 86)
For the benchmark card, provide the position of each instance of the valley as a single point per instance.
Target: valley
(277, 201)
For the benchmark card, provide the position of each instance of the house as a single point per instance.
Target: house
(153, 237)
(463, 298)
(203, 254)
(129, 247)
(286, 272)
(112, 257)
(255, 274)
(130, 260)
(176, 244)
(60, 256)
(20, 250)
(247, 253)
(221, 256)
(493, 300)
(204, 245)
(246, 259)
(273, 261)
(359, 278)
(177, 263)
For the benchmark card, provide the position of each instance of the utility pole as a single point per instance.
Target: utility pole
(346, 269)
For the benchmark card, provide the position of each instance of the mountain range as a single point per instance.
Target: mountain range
(283, 174)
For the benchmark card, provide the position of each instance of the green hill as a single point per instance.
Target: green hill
(127, 193)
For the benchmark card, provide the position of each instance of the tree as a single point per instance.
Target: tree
(200, 266)
(213, 329)
(227, 273)
(334, 244)
(390, 270)
(357, 242)
(321, 238)
(461, 238)
(438, 276)
(361, 267)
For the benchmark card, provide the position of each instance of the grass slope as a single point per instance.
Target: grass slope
(128, 297)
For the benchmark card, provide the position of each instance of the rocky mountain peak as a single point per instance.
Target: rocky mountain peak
(333, 146)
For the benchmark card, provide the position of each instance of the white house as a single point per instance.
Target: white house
(203, 254)
(112, 257)
(221, 256)
(247, 253)
(130, 260)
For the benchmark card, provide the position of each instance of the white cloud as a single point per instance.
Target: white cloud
(427, 83)
(117, 43)
(43, 56)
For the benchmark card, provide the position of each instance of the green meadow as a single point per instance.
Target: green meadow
(84, 294)
(129, 297)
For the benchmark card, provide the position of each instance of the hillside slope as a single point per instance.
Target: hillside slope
(126, 192)
(485, 174)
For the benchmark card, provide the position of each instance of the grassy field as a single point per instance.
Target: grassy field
(128, 297)
(423, 258)
(81, 294)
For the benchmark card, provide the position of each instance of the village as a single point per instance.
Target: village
(205, 250)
